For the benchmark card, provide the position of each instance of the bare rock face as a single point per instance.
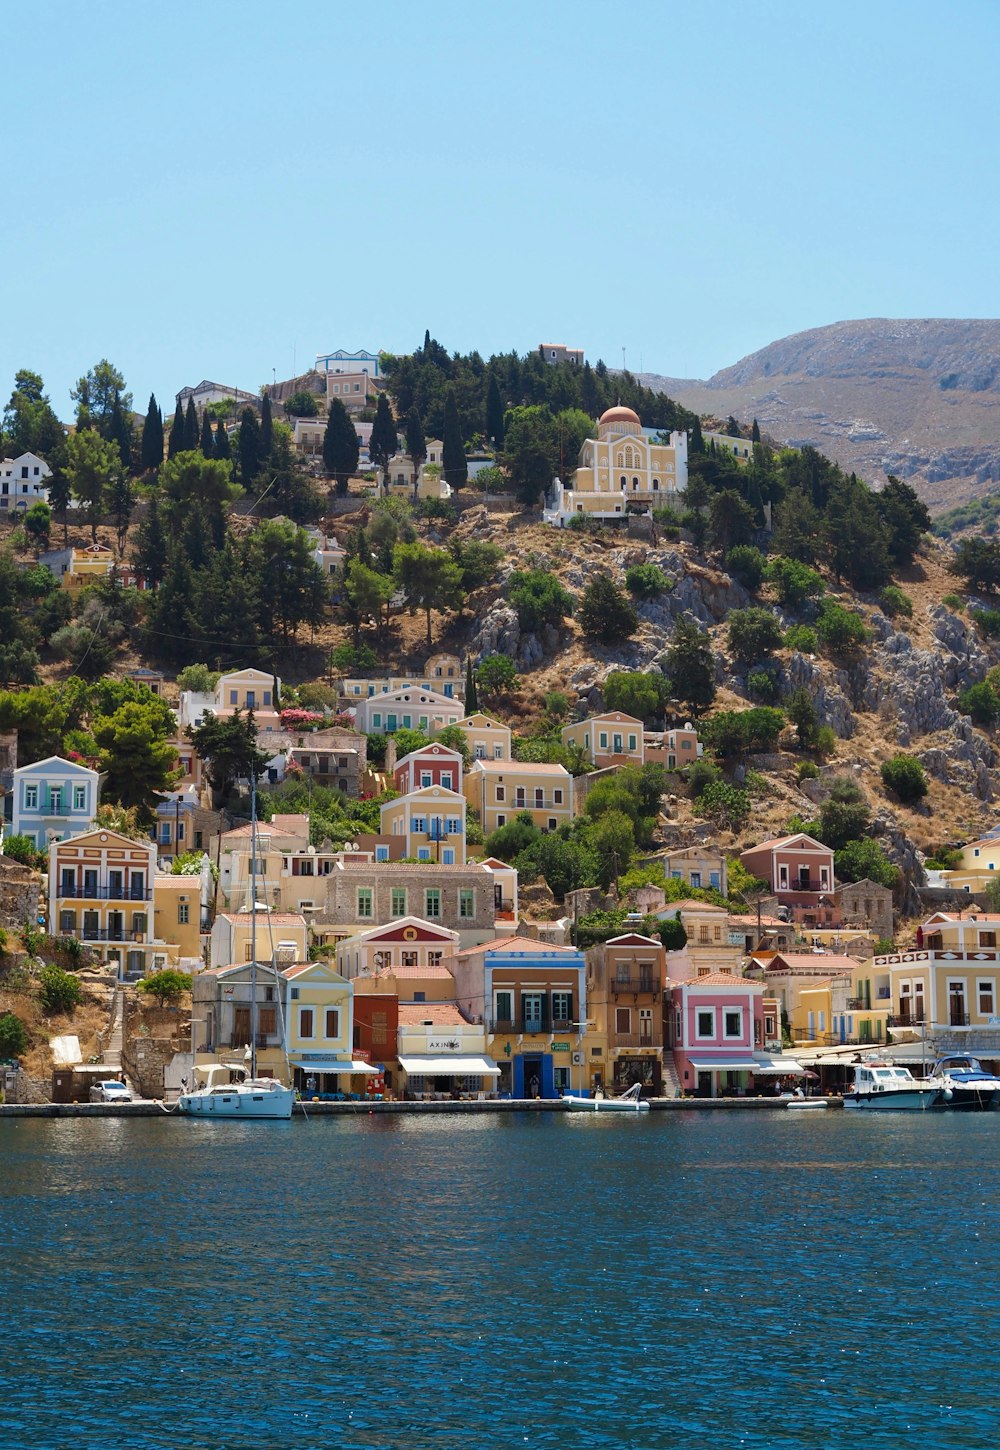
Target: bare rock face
(831, 701)
(499, 632)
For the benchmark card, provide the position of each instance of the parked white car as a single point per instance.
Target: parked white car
(111, 1091)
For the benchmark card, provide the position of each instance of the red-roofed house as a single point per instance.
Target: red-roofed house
(409, 943)
(715, 1025)
(799, 871)
(232, 939)
(442, 1054)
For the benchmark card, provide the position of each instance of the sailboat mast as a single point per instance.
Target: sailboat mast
(253, 926)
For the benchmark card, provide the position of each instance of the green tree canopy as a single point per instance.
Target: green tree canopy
(690, 664)
(340, 445)
(606, 613)
(92, 465)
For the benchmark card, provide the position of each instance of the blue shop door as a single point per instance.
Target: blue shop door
(548, 1076)
(517, 1090)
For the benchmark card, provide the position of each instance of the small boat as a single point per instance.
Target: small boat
(964, 1084)
(883, 1087)
(250, 1097)
(806, 1103)
(629, 1102)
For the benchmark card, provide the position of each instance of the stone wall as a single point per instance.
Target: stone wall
(19, 892)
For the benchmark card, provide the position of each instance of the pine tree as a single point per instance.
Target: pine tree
(250, 450)
(207, 436)
(121, 502)
(606, 612)
(149, 555)
(173, 632)
(455, 464)
(196, 538)
(383, 442)
(471, 698)
(192, 433)
(340, 445)
(266, 428)
(151, 453)
(690, 664)
(494, 412)
(227, 605)
(175, 444)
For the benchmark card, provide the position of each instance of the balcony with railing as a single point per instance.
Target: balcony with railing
(530, 1026)
(635, 1040)
(643, 984)
(907, 1017)
(534, 803)
(102, 891)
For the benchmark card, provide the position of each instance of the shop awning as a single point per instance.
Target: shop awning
(331, 1064)
(725, 1064)
(448, 1066)
(779, 1067)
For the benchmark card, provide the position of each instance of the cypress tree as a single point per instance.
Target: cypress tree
(175, 444)
(416, 443)
(696, 443)
(207, 436)
(494, 412)
(227, 604)
(456, 467)
(150, 550)
(151, 454)
(222, 449)
(383, 442)
(471, 698)
(755, 432)
(340, 445)
(192, 433)
(266, 428)
(250, 454)
(121, 433)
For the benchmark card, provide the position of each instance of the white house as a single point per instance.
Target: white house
(244, 690)
(23, 481)
(409, 708)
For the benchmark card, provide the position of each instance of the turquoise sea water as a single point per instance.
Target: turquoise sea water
(703, 1279)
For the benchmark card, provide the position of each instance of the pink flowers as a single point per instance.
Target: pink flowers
(294, 719)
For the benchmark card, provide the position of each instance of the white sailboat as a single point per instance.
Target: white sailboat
(249, 1096)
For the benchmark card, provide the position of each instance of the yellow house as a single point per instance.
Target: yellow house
(621, 471)
(432, 820)
(177, 915)
(501, 789)
(949, 985)
(978, 865)
(487, 739)
(319, 1031)
(613, 738)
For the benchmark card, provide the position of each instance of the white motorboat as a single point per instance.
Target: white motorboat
(249, 1096)
(629, 1102)
(964, 1084)
(885, 1087)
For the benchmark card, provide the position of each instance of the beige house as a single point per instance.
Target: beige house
(278, 933)
(621, 471)
(698, 866)
(487, 739)
(283, 836)
(499, 790)
(461, 898)
(409, 707)
(398, 480)
(243, 690)
(613, 738)
(411, 943)
(432, 823)
(441, 1053)
(708, 948)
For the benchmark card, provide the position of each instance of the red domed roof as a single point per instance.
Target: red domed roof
(619, 414)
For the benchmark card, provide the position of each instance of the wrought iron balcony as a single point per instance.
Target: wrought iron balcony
(621, 986)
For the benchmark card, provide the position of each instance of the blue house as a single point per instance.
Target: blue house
(53, 799)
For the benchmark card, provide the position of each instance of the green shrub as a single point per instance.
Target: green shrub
(753, 634)
(801, 637)
(826, 740)
(59, 991)
(647, 581)
(166, 986)
(987, 621)
(945, 858)
(726, 804)
(763, 686)
(701, 775)
(24, 850)
(806, 770)
(981, 702)
(668, 521)
(794, 581)
(894, 602)
(584, 524)
(746, 563)
(13, 1036)
(841, 630)
(952, 601)
(904, 776)
(865, 860)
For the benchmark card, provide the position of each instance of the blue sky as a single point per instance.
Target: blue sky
(225, 189)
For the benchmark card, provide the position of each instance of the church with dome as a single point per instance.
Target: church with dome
(620, 472)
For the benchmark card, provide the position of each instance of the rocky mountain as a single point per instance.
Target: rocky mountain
(919, 398)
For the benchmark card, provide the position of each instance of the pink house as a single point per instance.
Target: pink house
(715, 1025)
(799, 871)
(433, 765)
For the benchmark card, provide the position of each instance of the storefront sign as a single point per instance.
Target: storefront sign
(444, 1044)
(560, 1047)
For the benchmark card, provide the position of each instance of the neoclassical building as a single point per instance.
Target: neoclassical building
(621, 471)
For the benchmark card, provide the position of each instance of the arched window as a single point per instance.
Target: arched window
(656, 484)
(635, 483)
(624, 481)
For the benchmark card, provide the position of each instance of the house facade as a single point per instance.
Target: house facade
(222, 1004)
(715, 1027)
(243, 690)
(613, 738)
(698, 866)
(430, 765)
(441, 1054)
(621, 471)
(409, 707)
(487, 739)
(460, 898)
(499, 790)
(239, 935)
(431, 821)
(318, 1023)
(625, 985)
(532, 998)
(949, 985)
(23, 481)
(799, 871)
(53, 799)
(411, 943)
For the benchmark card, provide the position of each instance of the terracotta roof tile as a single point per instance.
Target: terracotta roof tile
(443, 1014)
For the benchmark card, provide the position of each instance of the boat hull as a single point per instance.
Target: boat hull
(246, 1103)
(906, 1100)
(969, 1099)
(605, 1105)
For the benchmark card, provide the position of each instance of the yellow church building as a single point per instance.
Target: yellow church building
(620, 471)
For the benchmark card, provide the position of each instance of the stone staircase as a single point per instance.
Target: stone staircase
(671, 1082)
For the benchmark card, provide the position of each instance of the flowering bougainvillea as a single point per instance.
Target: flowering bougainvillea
(301, 719)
